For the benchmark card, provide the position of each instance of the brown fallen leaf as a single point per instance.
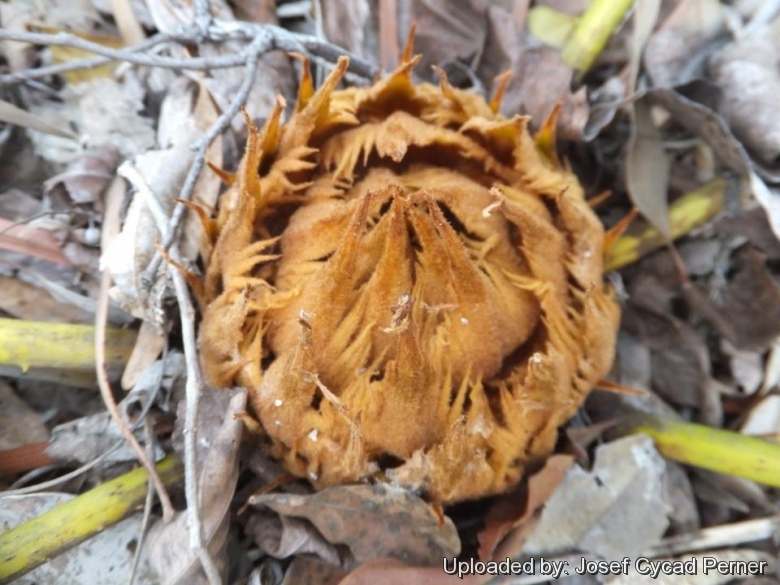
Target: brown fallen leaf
(29, 302)
(19, 424)
(255, 11)
(676, 52)
(87, 176)
(148, 346)
(31, 241)
(368, 522)
(477, 34)
(309, 569)
(679, 357)
(540, 80)
(512, 511)
(752, 225)
(647, 167)
(219, 437)
(751, 302)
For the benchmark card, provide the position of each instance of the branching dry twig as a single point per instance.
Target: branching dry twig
(196, 167)
(267, 37)
(76, 64)
(261, 38)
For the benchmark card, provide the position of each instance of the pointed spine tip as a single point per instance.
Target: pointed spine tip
(545, 138)
(409, 46)
(501, 82)
(306, 84)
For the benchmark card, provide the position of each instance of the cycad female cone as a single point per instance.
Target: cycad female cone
(410, 287)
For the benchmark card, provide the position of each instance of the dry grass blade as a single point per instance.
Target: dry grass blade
(15, 115)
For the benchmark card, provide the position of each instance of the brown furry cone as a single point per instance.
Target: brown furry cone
(409, 285)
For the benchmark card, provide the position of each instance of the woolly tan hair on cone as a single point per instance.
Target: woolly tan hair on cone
(410, 286)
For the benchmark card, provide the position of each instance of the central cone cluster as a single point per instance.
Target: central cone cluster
(409, 285)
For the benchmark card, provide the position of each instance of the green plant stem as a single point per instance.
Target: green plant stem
(30, 346)
(33, 543)
(713, 449)
(592, 31)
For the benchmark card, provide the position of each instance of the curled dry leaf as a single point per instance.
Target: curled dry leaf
(87, 176)
(219, 433)
(511, 511)
(409, 286)
(746, 71)
(187, 112)
(371, 521)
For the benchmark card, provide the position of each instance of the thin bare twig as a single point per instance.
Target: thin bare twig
(202, 146)
(76, 64)
(194, 385)
(63, 39)
(52, 483)
(194, 389)
(101, 319)
(149, 501)
(108, 398)
(201, 16)
(268, 37)
(726, 535)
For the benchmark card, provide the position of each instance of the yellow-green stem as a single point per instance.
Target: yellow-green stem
(688, 212)
(32, 344)
(33, 543)
(592, 31)
(714, 449)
